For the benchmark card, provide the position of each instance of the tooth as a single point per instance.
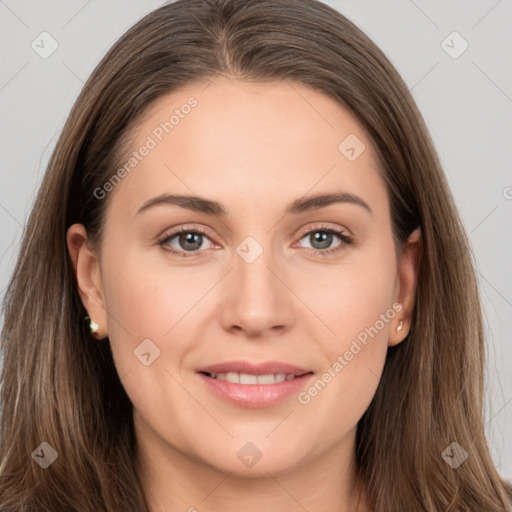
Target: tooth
(246, 378)
(233, 377)
(266, 379)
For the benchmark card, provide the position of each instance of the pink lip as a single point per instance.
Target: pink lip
(253, 368)
(254, 395)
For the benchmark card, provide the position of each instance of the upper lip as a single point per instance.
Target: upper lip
(263, 368)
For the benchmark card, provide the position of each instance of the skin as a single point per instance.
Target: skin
(254, 148)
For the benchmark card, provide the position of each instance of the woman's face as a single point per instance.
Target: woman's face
(266, 291)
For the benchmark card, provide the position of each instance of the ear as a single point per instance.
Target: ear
(407, 279)
(87, 272)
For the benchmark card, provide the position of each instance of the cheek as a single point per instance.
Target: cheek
(356, 303)
(148, 296)
(149, 307)
(352, 296)
(149, 299)
(359, 313)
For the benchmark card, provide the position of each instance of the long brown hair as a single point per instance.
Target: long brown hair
(59, 387)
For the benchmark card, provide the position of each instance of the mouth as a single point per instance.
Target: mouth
(248, 378)
(254, 385)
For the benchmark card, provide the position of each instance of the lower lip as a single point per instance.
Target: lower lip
(255, 395)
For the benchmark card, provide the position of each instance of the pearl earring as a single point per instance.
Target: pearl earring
(93, 327)
(400, 325)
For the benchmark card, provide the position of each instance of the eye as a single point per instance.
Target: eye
(321, 239)
(188, 240)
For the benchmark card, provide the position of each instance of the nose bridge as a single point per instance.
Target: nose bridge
(252, 270)
(258, 300)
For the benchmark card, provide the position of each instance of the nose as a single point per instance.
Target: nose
(257, 301)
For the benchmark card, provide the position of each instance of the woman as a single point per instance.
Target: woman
(247, 370)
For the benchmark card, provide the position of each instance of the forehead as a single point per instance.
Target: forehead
(247, 142)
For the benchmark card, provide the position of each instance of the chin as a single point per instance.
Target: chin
(247, 460)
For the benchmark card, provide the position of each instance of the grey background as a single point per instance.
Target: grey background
(466, 102)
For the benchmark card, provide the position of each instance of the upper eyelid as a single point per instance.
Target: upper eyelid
(185, 228)
(323, 227)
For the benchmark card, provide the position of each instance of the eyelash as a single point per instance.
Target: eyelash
(345, 239)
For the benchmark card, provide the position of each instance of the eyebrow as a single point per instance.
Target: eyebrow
(210, 207)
